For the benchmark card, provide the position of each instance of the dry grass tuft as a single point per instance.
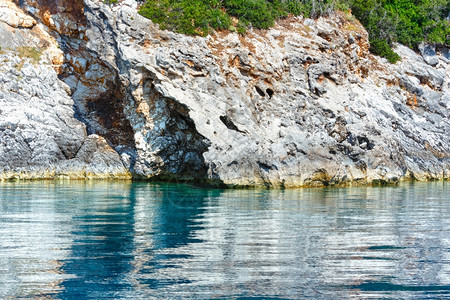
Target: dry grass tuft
(30, 52)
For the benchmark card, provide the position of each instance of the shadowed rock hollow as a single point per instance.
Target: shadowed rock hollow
(301, 104)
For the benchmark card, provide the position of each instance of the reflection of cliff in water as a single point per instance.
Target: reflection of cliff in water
(271, 242)
(113, 239)
(121, 229)
(101, 252)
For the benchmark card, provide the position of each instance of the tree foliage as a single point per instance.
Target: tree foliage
(194, 17)
(409, 22)
(199, 17)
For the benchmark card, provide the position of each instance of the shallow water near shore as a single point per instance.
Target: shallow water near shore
(112, 239)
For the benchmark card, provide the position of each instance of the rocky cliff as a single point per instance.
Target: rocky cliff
(92, 90)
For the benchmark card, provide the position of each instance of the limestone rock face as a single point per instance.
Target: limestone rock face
(301, 104)
(15, 18)
(39, 134)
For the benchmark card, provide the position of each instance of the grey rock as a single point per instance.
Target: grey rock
(429, 54)
(446, 53)
(351, 39)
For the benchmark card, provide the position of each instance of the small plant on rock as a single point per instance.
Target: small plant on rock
(110, 2)
(30, 52)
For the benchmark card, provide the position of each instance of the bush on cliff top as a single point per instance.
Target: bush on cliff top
(199, 17)
(408, 22)
(388, 21)
(193, 17)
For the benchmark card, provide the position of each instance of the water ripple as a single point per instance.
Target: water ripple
(91, 240)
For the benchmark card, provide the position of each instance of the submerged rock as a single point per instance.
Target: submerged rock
(301, 104)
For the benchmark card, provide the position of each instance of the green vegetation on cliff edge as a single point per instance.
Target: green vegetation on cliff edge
(409, 22)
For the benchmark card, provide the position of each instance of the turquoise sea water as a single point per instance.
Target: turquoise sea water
(101, 239)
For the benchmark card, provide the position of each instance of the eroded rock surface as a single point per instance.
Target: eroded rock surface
(39, 135)
(302, 104)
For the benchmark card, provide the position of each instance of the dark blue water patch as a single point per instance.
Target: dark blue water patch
(390, 287)
(377, 258)
(154, 284)
(172, 256)
(384, 248)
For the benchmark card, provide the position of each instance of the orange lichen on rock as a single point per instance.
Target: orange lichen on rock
(47, 19)
(64, 16)
(411, 101)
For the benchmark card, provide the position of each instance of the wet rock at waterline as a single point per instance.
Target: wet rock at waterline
(301, 104)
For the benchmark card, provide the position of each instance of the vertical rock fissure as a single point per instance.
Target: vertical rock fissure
(96, 90)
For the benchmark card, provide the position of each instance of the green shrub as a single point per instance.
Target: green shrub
(408, 22)
(193, 17)
(380, 47)
(110, 2)
(258, 13)
(198, 17)
(421, 20)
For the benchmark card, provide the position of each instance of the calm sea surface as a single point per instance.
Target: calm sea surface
(101, 239)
